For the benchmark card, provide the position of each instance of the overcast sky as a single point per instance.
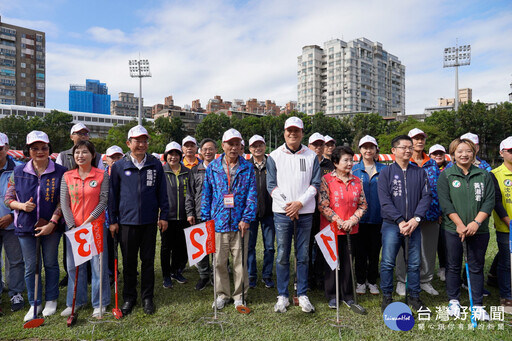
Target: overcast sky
(248, 49)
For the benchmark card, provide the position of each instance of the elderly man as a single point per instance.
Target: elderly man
(229, 197)
(293, 180)
(16, 278)
(137, 204)
(330, 144)
(189, 147)
(79, 132)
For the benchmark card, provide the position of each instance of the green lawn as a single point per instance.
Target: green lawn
(180, 311)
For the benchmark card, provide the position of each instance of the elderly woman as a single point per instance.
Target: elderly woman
(342, 200)
(466, 195)
(34, 195)
(83, 196)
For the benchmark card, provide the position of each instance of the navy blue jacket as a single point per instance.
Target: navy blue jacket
(403, 194)
(137, 197)
(372, 215)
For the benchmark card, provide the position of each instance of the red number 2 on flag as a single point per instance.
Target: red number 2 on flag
(195, 243)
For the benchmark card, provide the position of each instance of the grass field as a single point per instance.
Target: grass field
(180, 311)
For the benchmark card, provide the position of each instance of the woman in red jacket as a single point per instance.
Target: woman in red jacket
(84, 195)
(341, 200)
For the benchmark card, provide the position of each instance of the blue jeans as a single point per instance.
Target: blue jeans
(477, 246)
(268, 232)
(503, 264)
(284, 235)
(392, 240)
(81, 288)
(50, 252)
(12, 247)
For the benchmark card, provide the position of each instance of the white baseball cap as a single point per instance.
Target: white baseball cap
(293, 122)
(416, 132)
(231, 134)
(368, 139)
(189, 139)
(470, 136)
(173, 146)
(436, 148)
(256, 138)
(137, 131)
(506, 143)
(3, 139)
(316, 137)
(37, 136)
(113, 150)
(242, 142)
(329, 139)
(78, 127)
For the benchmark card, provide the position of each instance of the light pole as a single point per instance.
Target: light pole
(455, 57)
(139, 68)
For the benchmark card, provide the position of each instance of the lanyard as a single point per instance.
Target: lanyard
(229, 174)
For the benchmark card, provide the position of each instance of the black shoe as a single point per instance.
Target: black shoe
(492, 281)
(148, 306)
(17, 302)
(178, 277)
(64, 282)
(416, 304)
(202, 283)
(127, 307)
(386, 300)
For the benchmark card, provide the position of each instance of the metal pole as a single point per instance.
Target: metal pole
(456, 87)
(140, 95)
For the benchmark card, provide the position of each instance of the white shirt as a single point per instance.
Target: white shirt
(138, 164)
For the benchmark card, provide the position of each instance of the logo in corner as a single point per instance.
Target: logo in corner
(456, 183)
(398, 316)
(507, 182)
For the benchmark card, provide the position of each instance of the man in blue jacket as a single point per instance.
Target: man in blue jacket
(405, 197)
(230, 198)
(137, 202)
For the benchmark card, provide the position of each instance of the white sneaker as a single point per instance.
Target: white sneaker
(374, 289)
(400, 288)
(454, 308)
(67, 312)
(361, 289)
(50, 308)
(480, 313)
(282, 304)
(220, 302)
(306, 306)
(96, 312)
(429, 289)
(441, 273)
(30, 314)
(239, 303)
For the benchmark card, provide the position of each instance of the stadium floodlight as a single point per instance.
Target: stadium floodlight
(455, 57)
(139, 68)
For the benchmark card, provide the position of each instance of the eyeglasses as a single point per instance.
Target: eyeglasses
(505, 150)
(207, 150)
(140, 141)
(405, 148)
(42, 149)
(81, 134)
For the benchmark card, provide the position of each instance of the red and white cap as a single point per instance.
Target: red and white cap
(416, 132)
(37, 136)
(316, 137)
(368, 139)
(506, 143)
(329, 139)
(256, 138)
(189, 139)
(242, 142)
(3, 139)
(113, 150)
(293, 122)
(78, 127)
(231, 134)
(470, 136)
(436, 148)
(137, 131)
(173, 146)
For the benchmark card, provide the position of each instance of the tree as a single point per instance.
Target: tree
(16, 128)
(57, 125)
(213, 126)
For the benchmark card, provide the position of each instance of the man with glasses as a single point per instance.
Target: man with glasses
(79, 132)
(405, 197)
(137, 204)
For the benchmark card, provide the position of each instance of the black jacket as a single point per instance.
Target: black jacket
(264, 199)
(177, 188)
(195, 190)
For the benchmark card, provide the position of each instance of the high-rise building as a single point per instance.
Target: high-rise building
(128, 105)
(22, 66)
(348, 78)
(93, 97)
(465, 96)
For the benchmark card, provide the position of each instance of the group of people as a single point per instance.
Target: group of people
(416, 208)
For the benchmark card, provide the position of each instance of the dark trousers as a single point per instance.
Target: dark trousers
(135, 238)
(345, 276)
(477, 246)
(173, 251)
(317, 262)
(367, 251)
(441, 250)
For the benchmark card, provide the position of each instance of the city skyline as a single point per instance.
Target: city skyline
(245, 49)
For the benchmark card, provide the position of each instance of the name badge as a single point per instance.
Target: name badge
(229, 201)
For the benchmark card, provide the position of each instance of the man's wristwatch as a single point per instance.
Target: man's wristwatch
(479, 224)
(418, 219)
